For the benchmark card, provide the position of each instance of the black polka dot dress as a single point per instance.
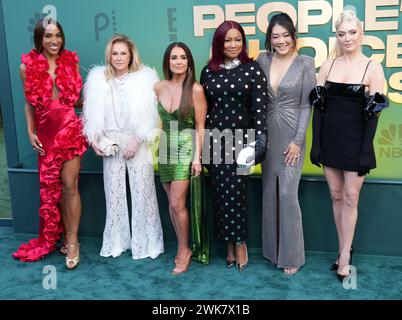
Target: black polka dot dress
(236, 103)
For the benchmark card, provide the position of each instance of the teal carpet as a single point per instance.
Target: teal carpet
(378, 277)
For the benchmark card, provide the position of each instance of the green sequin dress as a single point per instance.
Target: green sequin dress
(176, 145)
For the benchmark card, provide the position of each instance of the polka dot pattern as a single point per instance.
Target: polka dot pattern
(236, 102)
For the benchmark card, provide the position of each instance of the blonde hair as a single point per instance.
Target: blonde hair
(135, 61)
(347, 15)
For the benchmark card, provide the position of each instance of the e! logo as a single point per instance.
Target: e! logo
(171, 24)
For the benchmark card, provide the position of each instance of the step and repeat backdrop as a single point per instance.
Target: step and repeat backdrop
(153, 24)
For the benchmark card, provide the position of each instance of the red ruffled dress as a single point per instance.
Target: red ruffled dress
(60, 131)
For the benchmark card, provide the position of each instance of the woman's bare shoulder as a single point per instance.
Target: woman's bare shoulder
(160, 85)
(198, 88)
(376, 67)
(326, 64)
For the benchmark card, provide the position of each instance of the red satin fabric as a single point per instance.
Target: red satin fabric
(60, 131)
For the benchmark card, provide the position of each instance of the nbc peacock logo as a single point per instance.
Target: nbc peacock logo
(32, 23)
(390, 141)
(48, 12)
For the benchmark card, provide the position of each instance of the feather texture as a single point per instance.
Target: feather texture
(140, 99)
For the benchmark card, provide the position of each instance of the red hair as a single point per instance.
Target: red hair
(218, 43)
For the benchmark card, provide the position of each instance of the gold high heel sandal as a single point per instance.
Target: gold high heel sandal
(72, 263)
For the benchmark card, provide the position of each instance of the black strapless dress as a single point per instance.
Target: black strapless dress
(343, 128)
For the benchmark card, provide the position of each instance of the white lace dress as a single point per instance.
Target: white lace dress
(146, 238)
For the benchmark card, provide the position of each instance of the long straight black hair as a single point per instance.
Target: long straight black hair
(186, 100)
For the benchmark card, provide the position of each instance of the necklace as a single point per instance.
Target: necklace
(118, 83)
(230, 64)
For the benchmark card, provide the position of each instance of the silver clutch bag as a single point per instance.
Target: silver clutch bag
(108, 147)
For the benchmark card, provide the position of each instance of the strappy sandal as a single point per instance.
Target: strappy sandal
(64, 249)
(185, 263)
(72, 263)
(290, 270)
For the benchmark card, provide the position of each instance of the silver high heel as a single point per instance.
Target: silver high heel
(242, 266)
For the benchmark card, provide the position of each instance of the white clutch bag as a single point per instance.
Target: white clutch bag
(108, 147)
(244, 155)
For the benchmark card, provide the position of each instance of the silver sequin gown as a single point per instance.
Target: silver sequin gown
(288, 114)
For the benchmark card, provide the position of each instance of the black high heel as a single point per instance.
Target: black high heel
(341, 277)
(335, 265)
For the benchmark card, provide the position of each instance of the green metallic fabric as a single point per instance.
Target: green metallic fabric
(175, 147)
(199, 225)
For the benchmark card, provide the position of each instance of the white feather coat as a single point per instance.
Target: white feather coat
(141, 101)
